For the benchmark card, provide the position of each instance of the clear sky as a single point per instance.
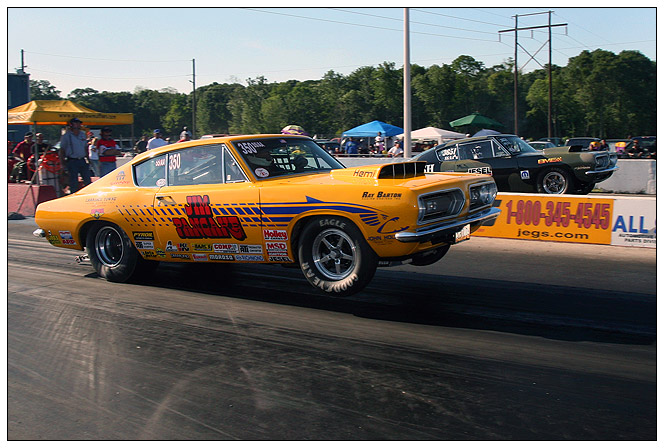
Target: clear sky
(118, 49)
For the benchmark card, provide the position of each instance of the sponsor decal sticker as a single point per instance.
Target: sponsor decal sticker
(149, 254)
(68, 242)
(225, 248)
(525, 174)
(53, 239)
(251, 249)
(144, 236)
(160, 252)
(200, 223)
(97, 212)
(65, 235)
(144, 244)
(201, 247)
(199, 257)
(249, 258)
(280, 259)
(223, 257)
(261, 172)
(275, 234)
(182, 256)
(550, 160)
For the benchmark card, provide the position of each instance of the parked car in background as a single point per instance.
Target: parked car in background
(517, 166)
(330, 146)
(540, 145)
(267, 199)
(584, 142)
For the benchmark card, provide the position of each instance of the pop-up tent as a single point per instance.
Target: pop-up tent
(475, 119)
(59, 112)
(372, 129)
(431, 133)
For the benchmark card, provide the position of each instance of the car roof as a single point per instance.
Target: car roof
(472, 139)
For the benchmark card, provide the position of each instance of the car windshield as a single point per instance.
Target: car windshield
(515, 145)
(282, 156)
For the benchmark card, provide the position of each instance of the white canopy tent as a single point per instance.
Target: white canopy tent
(431, 133)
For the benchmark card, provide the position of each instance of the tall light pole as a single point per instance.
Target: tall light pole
(406, 86)
(193, 100)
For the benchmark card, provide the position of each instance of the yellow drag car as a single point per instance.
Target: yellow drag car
(267, 199)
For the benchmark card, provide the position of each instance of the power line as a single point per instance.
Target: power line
(363, 25)
(457, 18)
(102, 59)
(412, 21)
(78, 75)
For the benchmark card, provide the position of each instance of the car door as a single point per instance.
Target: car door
(446, 159)
(209, 209)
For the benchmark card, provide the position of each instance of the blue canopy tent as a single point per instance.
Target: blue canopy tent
(372, 129)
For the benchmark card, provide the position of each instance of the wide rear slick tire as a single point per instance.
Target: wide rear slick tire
(335, 257)
(113, 255)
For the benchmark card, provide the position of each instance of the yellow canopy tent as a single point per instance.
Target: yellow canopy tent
(60, 112)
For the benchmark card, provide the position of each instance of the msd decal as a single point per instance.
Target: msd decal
(200, 223)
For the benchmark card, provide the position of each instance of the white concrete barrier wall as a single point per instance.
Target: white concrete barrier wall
(632, 176)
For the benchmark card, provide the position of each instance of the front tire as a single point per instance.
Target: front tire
(335, 257)
(554, 181)
(112, 253)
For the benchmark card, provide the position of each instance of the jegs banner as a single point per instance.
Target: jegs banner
(566, 218)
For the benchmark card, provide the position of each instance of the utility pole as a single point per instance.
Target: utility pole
(193, 100)
(516, 29)
(406, 86)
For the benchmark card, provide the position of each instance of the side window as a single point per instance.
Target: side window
(448, 153)
(232, 171)
(195, 166)
(151, 173)
(476, 150)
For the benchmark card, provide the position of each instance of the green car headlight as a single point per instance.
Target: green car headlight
(483, 194)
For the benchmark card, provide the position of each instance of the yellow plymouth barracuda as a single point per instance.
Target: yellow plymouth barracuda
(267, 199)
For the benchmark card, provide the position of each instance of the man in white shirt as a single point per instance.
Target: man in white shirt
(396, 150)
(156, 141)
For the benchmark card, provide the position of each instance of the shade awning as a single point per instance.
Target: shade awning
(59, 112)
(372, 129)
(475, 119)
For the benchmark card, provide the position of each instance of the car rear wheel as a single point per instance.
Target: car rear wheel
(113, 255)
(554, 181)
(335, 257)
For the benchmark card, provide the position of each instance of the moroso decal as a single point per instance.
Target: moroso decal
(223, 257)
(202, 224)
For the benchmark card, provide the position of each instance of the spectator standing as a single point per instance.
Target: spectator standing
(380, 143)
(396, 150)
(108, 149)
(351, 146)
(156, 141)
(73, 151)
(93, 156)
(141, 145)
(185, 136)
(24, 148)
(603, 146)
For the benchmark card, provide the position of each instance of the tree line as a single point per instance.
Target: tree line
(598, 94)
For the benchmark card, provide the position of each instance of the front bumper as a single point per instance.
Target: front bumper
(604, 171)
(443, 230)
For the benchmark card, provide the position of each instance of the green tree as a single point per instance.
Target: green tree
(43, 90)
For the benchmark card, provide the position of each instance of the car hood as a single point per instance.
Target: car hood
(408, 175)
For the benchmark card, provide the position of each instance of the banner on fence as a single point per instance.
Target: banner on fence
(634, 222)
(566, 218)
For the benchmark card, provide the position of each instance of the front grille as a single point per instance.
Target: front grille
(440, 205)
(602, 161)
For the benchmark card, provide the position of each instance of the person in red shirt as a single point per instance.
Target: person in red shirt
(24, 149)
(107, 148)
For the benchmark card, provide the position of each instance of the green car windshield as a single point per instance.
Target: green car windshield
(515, 145)
(277, 156)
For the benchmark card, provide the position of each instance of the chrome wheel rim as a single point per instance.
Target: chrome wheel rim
(109, 246)
(334, 254)
(554, 183)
